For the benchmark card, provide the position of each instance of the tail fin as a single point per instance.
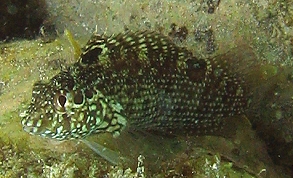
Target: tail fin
(242, 61)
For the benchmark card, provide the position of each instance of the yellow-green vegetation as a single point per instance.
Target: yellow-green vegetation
(74, 44)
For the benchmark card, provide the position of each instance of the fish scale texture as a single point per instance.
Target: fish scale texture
(137, 80)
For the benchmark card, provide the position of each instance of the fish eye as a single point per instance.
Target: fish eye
(62, 100)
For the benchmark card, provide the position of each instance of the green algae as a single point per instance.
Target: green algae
(74, 44)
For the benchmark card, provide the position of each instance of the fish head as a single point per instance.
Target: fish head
(61, 109)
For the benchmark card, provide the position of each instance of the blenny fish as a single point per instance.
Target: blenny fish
(136, 80)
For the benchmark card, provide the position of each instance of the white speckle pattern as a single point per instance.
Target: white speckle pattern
(142, 80)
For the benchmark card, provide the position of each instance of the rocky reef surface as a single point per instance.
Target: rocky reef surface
(262, 146)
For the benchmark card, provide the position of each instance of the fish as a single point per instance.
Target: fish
(136, 81)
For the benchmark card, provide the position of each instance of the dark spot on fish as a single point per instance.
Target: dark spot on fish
(78, 97)
(88, 93)
(196, 69)
(231, 88)
(91, 55)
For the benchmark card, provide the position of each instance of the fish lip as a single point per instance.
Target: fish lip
(28, 129)
(23, 114)
(32, 130)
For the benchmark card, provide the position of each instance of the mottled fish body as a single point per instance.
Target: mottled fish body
(139, 81)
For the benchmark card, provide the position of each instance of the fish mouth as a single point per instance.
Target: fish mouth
(32, 130)
(28, 125)
(28, 129)
(36, 131)
(23, 114)
(24, 118)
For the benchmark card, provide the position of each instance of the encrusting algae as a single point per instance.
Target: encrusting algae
(137, 81)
